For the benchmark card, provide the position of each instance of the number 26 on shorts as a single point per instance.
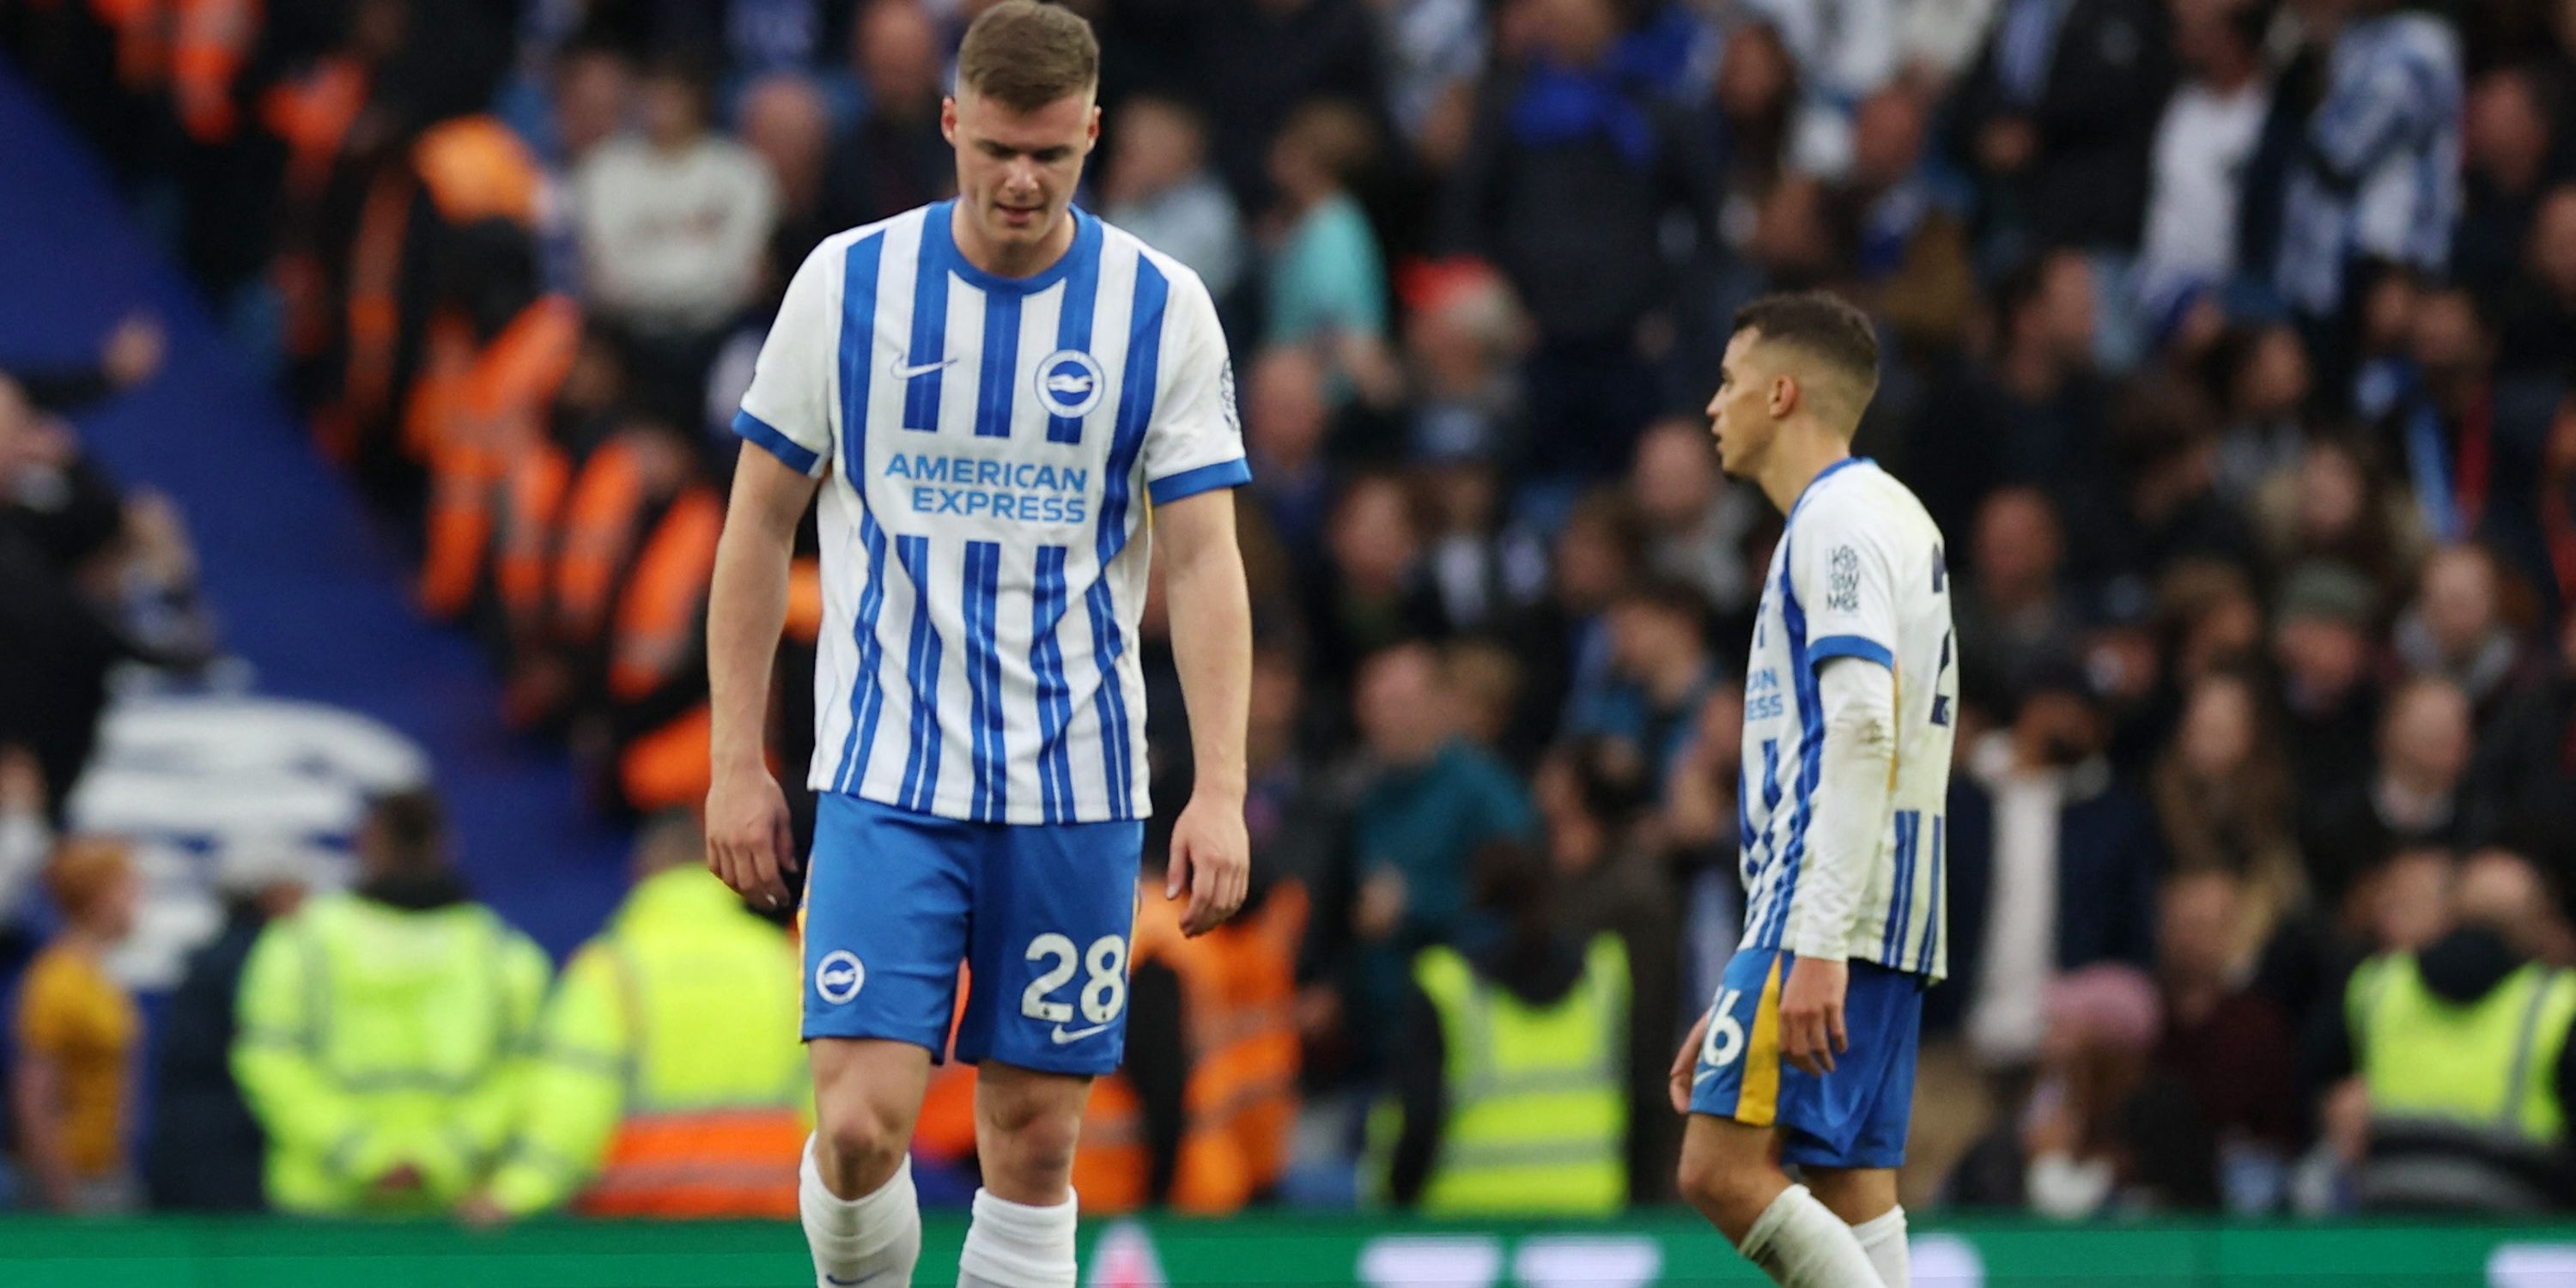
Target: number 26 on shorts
(1725, 1040)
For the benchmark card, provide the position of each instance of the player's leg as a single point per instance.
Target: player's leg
(1021, 1234)
(1852, 1165)
(862, 1219)
(1865, 1199)
(886, 908)
(1744, 1097)
(1054, 907)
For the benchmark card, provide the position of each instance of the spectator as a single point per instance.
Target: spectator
(59, 643)
(2169, 511)
(2202, 147)
(2223, 795)
(2430, 1031)
(1480, 574)
(2444, 419)
(1696, 521)
(2059, 116)
(1662, 672)
(380, 1030)
(1200, 1117)
(1158, 186)
(1372, 592)
(2508, 135)
(1596, 802)
(1286, 422)
(666, 1081)
(673, 226)
(2377, 177)
(1255, 62)
(2258, 376)
(2321, 646)
(2228, 1045)
(1567, 187)
(1326, 284)
(2071, 880)
(2539, 310)
(1435, 52)
(786, 123)
(2338, 508)
(896, 157)
(1515, 1047)
(2014, 615)
(1463, 338)
(2417, 795)
(1908, 222)
(77, 1028)
(2101, 1131)
(1599, 553)
(1430, 800)
(205, 1151)
(2456, 630)
(2033, 415)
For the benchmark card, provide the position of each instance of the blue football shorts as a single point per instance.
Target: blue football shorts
(1853, 1117)
(1040, 915)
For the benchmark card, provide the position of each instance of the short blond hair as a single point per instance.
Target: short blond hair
(1025, 55)
(83, 870)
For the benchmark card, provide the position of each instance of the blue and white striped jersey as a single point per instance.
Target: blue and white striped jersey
(988, 447)
(1859, 573)
(2379, 175)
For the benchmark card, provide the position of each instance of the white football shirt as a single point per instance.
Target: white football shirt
(1859, 573)
(988, 447)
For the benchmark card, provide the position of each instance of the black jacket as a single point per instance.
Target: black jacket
(205, 1152)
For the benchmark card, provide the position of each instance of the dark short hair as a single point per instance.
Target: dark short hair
(412, 825)
(1821, 324)
(1025, 55)
(1670, 597)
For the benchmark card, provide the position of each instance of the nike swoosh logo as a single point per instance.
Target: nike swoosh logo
(1062, 1037)
(830, 1278)
(902, 372)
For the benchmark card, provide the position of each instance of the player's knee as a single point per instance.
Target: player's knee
(1727, 1192)
(860, 1141)
(1030, 1142)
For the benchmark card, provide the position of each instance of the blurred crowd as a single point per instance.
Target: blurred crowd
(2229, 341)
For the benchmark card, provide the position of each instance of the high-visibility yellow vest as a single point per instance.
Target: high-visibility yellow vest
(372, 1037)
(1537, 1096)
(668, 1078)
(2468, 1092)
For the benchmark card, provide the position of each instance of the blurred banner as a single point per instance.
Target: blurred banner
(1648, 1249)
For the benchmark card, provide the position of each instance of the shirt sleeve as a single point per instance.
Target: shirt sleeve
(44, 1019)
(788, 409)
(1845, 578)
(1195, 441)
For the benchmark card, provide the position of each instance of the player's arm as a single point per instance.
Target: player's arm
(1193, 460)
(1212, 647)
(1842, 575)
(786, 425)
(747, 834)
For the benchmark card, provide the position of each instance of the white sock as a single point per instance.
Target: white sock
(1014, 1245)
(872, 1240)
(1883, 1238)
(1800, 1243)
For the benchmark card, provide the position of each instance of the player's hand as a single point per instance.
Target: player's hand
(1811, 1014)
(1212, 859)
(749, 842)
(1686, 1064)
